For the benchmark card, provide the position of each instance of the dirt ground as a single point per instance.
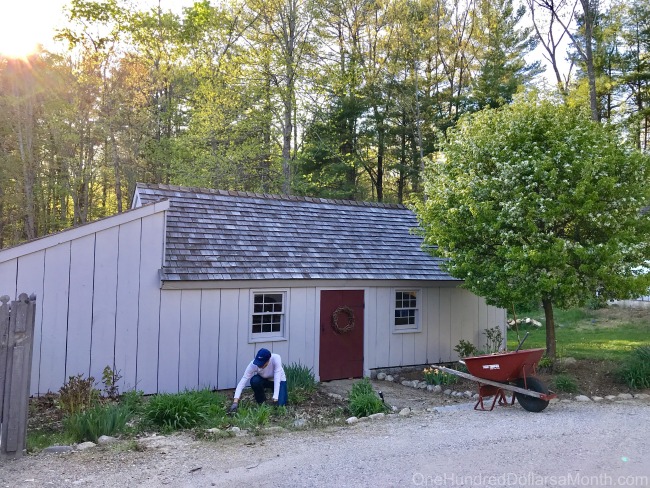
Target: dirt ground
(594, 378)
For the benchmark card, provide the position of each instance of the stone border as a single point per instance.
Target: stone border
(422, 385)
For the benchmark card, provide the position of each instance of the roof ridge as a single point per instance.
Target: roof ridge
(270, 196)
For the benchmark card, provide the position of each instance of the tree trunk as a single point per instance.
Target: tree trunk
(589, 55)
(118, 171)
(550, 328)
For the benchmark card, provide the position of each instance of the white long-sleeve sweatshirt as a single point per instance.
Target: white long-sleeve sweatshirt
(273, 371)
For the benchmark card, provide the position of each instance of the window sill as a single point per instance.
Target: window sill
(255, 339)
(406, 331)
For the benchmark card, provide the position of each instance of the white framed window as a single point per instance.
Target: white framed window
(268, 317)
(406, 310)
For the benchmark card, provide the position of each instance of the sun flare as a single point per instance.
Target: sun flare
(19, 33)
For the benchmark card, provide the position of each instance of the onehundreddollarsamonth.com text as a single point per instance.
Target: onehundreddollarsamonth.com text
(529, 479)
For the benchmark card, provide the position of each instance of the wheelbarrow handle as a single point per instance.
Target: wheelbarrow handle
(522, 341)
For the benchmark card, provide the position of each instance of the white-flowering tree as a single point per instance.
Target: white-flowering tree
(536, 200)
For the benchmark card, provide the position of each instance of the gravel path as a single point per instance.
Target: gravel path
(569, 444)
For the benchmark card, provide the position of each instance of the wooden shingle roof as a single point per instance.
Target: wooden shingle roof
(221, 235)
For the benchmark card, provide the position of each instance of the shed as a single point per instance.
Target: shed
(180, 291)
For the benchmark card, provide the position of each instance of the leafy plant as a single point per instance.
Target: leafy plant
(185, 410)
(100, 420)
(110, 378)
(132, 400)
(566, 383)
(301, 382)
(494, 338)
(546, 364)
(78, 394)
(465, 349)
(364, 400)
(175, 411)
(253, 416)
(635, 371)
(434, 376)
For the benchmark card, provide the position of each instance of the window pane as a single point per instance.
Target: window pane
(267, 313)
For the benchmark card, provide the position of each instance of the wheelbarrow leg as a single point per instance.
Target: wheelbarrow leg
(486, 391)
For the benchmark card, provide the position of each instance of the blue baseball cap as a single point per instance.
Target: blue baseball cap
(263, 355)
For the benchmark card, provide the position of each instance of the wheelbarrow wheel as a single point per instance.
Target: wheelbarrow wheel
(531, 403)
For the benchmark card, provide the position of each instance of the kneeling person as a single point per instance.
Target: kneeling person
(265, 371)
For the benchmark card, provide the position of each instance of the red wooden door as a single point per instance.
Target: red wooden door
(341, 334)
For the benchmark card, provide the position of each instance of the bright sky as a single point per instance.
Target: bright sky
(26, 23)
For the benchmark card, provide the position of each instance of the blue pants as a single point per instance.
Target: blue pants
(258, 384)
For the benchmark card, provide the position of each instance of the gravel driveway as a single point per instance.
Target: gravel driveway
(569, 444)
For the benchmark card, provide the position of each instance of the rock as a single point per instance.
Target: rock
(430, 387)
(381, 376)
(406, 383)
(273, 429)
(363, 419)
(106, 439)
(234, 429)
(437, 389)
(57, 449)
(376, 416)
(389, 378)
(475, 396)
(336, 396)
(300, 423)
(625, 396)
(610, 397)
(536, 323)
(447, 392)
(352, 420)
(597, 399)
(422, 385)
(567, 361)
(405, 412)
(641, 396)
(554, 400)
(582, 398)
(213, 430)
(467, 394)
(393, 408)
(85, 445)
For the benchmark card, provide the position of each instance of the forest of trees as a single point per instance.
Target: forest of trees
(330, 98)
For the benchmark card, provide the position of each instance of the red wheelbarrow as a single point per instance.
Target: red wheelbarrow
(507, 371)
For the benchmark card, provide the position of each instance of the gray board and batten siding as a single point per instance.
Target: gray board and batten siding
(163, 292)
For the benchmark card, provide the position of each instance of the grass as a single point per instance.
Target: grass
(364, 401)
(604, 334)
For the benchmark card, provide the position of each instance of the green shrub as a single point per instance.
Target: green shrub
(635, 371)
(78, 394)
(301, 382)
(435, 376)
(566, 383)
(100, 420)
(133, 401)
(465, 349)
(185, 410)
(364, 400)
(175, 411)
(110, 379)
(494, 338)
(252, 416)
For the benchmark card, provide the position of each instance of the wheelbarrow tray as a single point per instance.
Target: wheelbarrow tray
(504, 367)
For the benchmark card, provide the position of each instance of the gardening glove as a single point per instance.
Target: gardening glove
(233, 409)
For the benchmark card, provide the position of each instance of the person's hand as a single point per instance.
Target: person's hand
(233, 408)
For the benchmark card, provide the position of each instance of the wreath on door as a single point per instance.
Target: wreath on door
(348, 314)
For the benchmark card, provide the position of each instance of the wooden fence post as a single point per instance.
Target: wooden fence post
(16, 346)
